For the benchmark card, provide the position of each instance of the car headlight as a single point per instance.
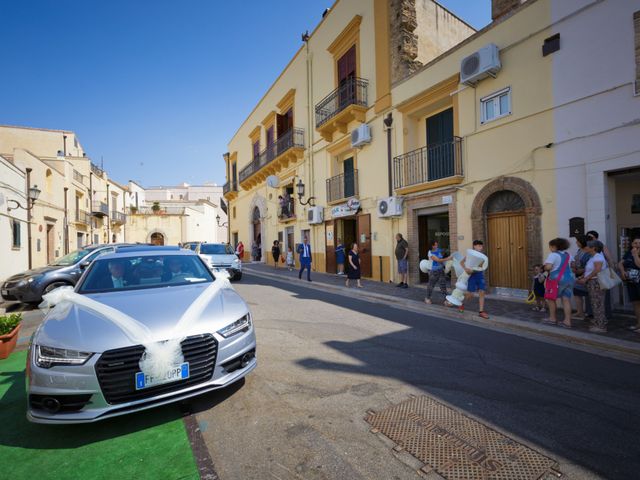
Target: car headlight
(47, 357)
(236, 261)
(240, 325)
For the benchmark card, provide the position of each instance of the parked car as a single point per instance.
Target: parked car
(219, 256)
(84, 365)
(29, 286)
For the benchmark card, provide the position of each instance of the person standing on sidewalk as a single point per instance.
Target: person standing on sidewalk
(353, 272)
(275, 253)
(340, 257)
(436, 275)
(304, 250)
(606, 253)
(240, 250)
(630, 270)
(583, 306)
(596, 264)
(402, 256)
(557, 264)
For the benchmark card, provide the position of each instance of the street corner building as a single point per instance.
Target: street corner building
(398, 117)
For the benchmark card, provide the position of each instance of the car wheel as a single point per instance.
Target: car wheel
(237, 276)
(54, 285)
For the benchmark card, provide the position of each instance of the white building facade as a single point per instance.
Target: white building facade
(13, 221)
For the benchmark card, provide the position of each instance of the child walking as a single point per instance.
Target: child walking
(290, 261)
(476, 280)
(538, 288)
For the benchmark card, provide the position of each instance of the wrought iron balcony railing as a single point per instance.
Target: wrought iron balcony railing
(118, 217)
(342, 186)
(427, 164)
(292, 138)
(229, 187)
(352, 91)
(99, 209)
(97, 170)
(83, 217)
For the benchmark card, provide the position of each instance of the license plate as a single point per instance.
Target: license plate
(5, 292)
(178, 372)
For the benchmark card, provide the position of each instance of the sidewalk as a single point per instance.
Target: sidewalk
(500, 309)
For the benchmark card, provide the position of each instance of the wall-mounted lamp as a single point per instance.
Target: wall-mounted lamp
(34, 193)
(300, 188)
(223, 224)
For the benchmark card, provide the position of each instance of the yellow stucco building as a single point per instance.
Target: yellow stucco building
(397, 117)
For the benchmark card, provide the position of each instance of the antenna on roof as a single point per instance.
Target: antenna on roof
(305, 36)
(326, 10)
(101, 162)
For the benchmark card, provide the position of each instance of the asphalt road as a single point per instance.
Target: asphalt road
(324, 360)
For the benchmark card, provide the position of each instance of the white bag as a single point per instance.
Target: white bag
(608, 279)
(429, 261)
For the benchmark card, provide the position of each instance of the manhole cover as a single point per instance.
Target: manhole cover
(456, 446)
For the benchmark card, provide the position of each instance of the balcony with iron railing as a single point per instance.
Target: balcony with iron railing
(99, 209)
(288, 148)
(230, 190)
(342, 186)
(82, 218)
(346, 103)
(429, 167)
(286, 208)
(118, 218)
(96, 170)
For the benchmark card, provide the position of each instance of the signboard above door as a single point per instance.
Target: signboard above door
(345, 209)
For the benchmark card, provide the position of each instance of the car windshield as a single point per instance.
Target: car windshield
(216, 249)
(72, 258)
(130, 273)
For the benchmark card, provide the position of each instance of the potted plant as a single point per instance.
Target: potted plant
(133, 209)
(9, 328)
(155, 207)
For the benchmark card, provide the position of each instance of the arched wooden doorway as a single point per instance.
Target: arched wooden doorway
(507, 240)
(157, 238)
(257, 228)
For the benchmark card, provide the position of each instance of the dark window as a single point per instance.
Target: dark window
(256, 149)
(16, 234)
(551, 44)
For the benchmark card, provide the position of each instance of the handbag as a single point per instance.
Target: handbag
(608, 279)
(551, 285)
(429, 261)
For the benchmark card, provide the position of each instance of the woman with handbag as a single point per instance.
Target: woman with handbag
(560, 282)
(630, 271)
(596, 264)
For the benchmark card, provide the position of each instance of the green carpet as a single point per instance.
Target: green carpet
(151, 444)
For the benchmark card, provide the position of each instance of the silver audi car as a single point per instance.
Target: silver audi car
(104, 349)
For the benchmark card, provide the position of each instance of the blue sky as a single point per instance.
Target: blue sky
(156, 87)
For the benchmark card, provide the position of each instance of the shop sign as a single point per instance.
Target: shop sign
(447, 199)
(346, 209)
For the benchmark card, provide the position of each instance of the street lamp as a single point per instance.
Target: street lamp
(34, 193)
(300, 188)
(223, 224)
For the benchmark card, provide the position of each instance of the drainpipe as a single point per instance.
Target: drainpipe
(66, 222)
(108, 217)
(64, 145)
(91, 206)
(310, 126)
(30, 255)
(388, 121)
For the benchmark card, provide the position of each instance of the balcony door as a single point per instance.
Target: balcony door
(284, 124)
(440, 152)
(346, 76)
(349, 178)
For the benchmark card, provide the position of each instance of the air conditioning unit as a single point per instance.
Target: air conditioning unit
(479, 65)
(361, 135)
(315, 215)
(390, 207)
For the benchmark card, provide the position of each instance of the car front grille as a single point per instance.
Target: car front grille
(11, 284)
(116, 369)
(220, 265)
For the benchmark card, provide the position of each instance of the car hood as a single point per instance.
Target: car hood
(218, 258)
(160, 309)
(35, 271)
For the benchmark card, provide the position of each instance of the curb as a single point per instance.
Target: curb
(629, 351)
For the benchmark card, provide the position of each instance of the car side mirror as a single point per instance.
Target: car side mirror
(84, 265)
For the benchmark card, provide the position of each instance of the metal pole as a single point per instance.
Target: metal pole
(388, 122)
(66, 222)
(29, 205)
(91, 206)
(108, 217)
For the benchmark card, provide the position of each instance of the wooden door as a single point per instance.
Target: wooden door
(364, 243)
(50, 244)
(346, 74)
(330, 242)
(507, 250)
(440, 161)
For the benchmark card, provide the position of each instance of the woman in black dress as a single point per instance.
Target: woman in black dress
(275, 251)
(353, 272)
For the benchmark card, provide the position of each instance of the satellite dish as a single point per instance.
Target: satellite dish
(273, 181)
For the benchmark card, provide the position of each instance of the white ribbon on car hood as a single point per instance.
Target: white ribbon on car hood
(160, 355)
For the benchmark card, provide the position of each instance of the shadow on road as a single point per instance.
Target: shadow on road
(576, 405)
